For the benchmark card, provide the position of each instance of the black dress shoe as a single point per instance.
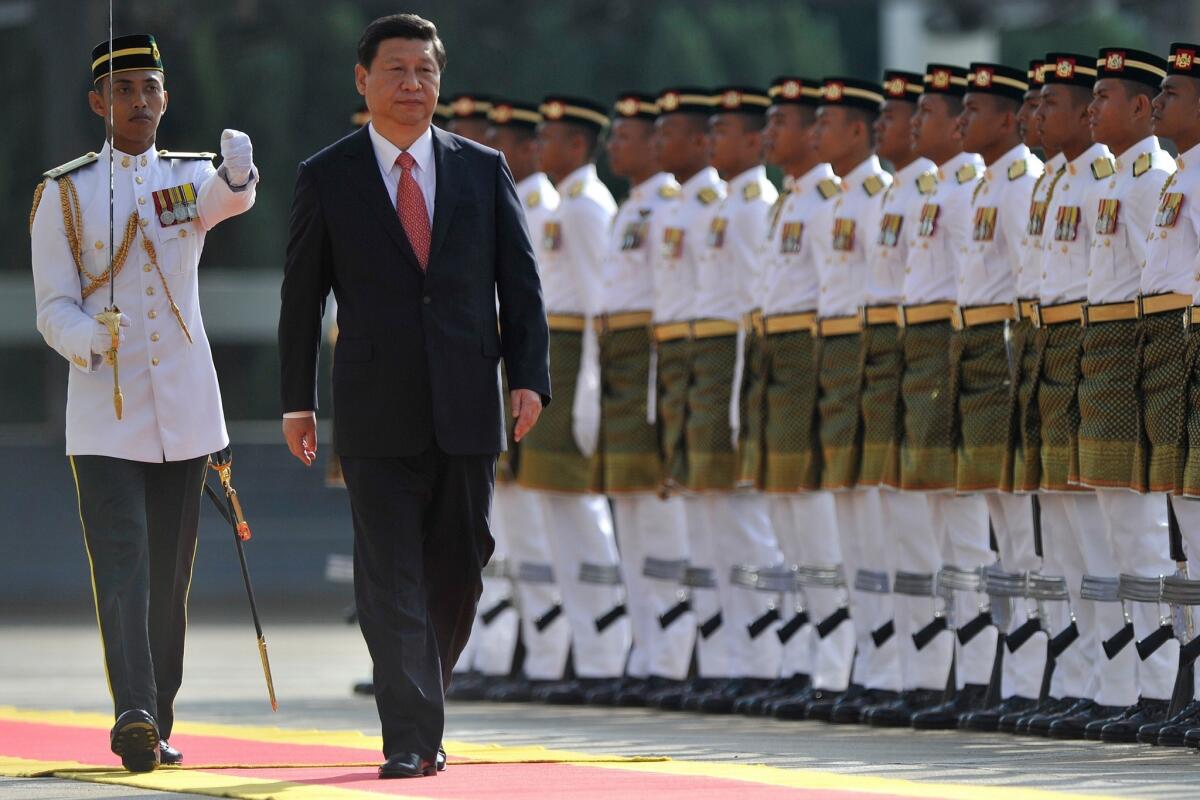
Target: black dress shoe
(1009, 723)
(757, 703)
(440, 761)
(1075, 722)
(820, 704)
(1170, 732)
(722, 701)
(989, 718)
(945, 716)
(849, 710)
(606, 693)
(1125, 729)
(572, 693)
(468, 686)
(899, 712)
(1039, 724)
(135, 739)
(407, 765)
(639, 695)
(169, 755)
(517, 690)
(1192, 738)
(1092, 730)
(694, 698)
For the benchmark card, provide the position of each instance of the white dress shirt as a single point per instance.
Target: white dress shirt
(729, 270)
(1029, 275)
(1173, 241)
(790, 280)
(999, 216)
(425, 171)
(172, 400)
(938, 242)
(887, 249)
(842, 259)
(1119, 248)
(1068, 238)
(574, 239)
(678, 238)
(627, 281)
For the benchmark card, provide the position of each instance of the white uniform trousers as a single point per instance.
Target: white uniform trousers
(742, 536)
(1012, 521)
(963, 523)
(1075, 673)
(521, 515)
(493, 639)
(582, 541)
(713, 653)
(860, 524)
(1188, 514)
(1137, 530)
(652, 538)
(916, 549)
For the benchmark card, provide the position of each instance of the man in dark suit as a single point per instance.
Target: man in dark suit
(418, 232)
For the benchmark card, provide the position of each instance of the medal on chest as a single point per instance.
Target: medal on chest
(929, 217)
(176, 205)
(716, 232)
(1037, 218)
(635, 231)
(1066, 224)
(552, 236)
(1168, 209)
(985, 224)
(672, 243)
(790, 234)
(843, 234)
(889, 229)
(1106, 217)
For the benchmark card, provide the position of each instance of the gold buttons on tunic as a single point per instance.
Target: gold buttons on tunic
(141, 201)
(154, 361)
(151, 313)
(139, 179)
(99, 245)
(125, 161)
(146, 268)
(149, 291)
(183, 234)
(154, 336)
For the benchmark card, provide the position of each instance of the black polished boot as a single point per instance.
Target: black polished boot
(796, 707)
(899, 712)
(849, 710)
(1125, 729)
(1170, 732)
(1043, 715)
(723, 702)
(989, 718)
(821, 708)
(944, 717)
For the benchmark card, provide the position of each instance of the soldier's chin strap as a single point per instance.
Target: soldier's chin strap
(110, 317)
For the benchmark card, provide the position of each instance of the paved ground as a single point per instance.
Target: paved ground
(59, 667)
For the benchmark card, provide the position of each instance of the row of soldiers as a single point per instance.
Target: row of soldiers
(903, 447)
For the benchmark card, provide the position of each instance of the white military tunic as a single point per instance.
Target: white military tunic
(1067, 239)
(540, 200)
(790, 282)
(1173, 241)
(939, 241)
(678, 240)
(1029, 275)
(172, 409)
(628, 283)
(845, 228)
(729, 269)
(573, 243)
(887, 250)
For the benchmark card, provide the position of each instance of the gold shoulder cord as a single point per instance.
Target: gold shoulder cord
(73, 225)
(1053, 183)
(37, 198)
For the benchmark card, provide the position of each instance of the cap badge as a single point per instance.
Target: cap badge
(1115, 62)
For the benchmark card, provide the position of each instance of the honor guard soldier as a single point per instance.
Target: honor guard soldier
(843, 137)
(907, 527)
(468, 116)
(520, 512)
(779, 450)
(651, 530)
(681, 143)
(139, 471)
(937, 246)
(558, 457)
(986, 373)
(1169, 284)
(1119, 217)
(1063, 120)
(728, 276)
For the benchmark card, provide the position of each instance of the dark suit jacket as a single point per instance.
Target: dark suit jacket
(417, 353)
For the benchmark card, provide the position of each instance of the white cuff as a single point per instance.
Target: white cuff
(299, 414)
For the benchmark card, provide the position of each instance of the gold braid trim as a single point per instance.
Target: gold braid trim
(153, 256)
(37, 199)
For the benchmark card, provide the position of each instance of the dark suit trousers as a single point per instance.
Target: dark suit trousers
(139, 527)
(421, 539)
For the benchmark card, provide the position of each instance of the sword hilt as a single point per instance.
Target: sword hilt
(111, 319)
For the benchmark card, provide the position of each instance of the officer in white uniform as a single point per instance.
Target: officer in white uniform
(138, 469)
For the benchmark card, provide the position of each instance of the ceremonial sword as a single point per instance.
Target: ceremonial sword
(110, 317)
(231, 510)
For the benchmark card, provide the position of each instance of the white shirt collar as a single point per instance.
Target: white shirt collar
(386, 153)
(870, 166)
(1191, 157)
(705, 177)
(918, 166)
(123, 160)
(651, 185)
(585, 173)
(809, 179)
(1148, 145)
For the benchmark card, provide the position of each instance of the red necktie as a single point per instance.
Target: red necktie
(410, 205)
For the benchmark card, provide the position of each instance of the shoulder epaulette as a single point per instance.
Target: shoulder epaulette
(965, 173)
(707, 195)
(1017, 169)
(576, 189)
(187, 156)
(1103, 167)
(829, 187)
(668, 191)
(751, 191)
(1141, 164)
(533, 199)
(873, 185)
(927, 183)
(71, 166)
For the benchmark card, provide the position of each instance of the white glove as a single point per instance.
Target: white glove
(102, 339)
(238, 157)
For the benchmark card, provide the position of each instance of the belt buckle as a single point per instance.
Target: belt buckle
(1036, 315)
(1083, 315)
(958, 318)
